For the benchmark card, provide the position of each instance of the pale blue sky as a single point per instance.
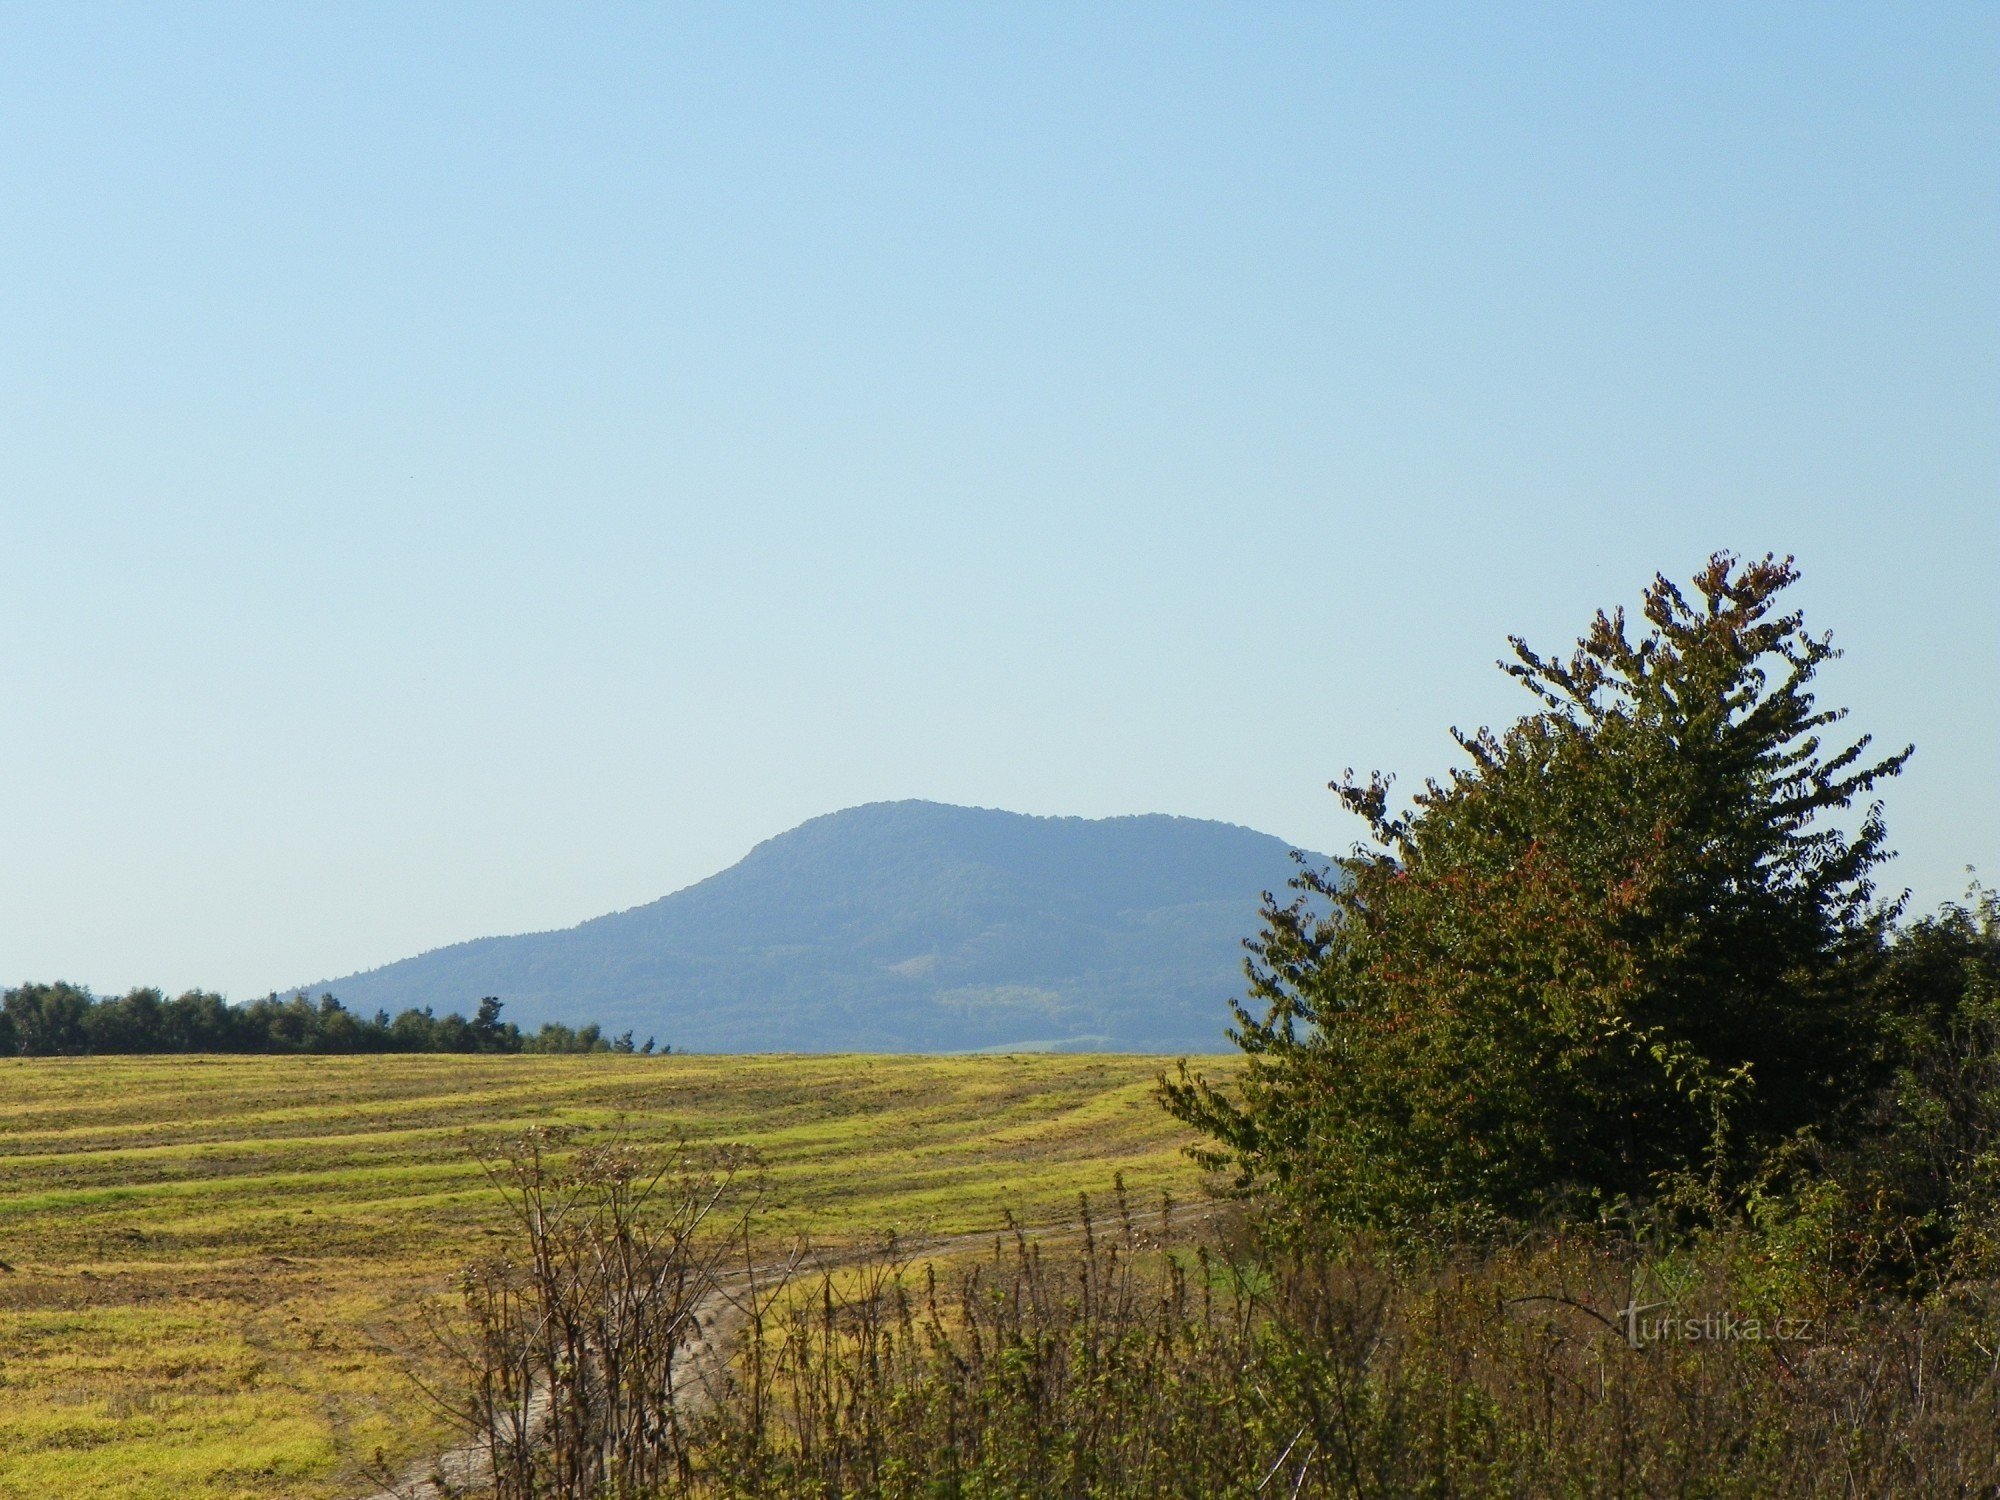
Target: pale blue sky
(468, 468)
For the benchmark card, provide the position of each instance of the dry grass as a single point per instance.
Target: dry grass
(211, 1257)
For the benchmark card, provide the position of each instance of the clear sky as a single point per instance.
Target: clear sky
(464, 469)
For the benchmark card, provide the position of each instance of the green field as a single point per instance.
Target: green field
(211, 1260)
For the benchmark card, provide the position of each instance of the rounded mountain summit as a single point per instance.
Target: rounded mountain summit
(899, 927)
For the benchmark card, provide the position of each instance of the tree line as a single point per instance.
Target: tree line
(67, 1020)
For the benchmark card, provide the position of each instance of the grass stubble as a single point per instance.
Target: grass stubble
(212, 1261)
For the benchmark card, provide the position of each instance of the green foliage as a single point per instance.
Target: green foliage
(1912, 1197)
(1937, 1163)
(1622, 953)
(65, 1020)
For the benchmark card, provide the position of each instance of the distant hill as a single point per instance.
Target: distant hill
(899, 926)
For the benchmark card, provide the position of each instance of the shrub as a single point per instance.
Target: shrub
(1620, 954)
(567, 1354)
(1122, 1361)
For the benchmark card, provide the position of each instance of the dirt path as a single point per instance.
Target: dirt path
(718, 1317)
(466, 1469)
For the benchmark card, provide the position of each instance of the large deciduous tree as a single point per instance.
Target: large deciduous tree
(1626, 942)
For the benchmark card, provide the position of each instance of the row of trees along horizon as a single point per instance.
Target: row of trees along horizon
(1612, 1018)
(66, 1020)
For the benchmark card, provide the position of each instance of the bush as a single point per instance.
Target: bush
(1620, 955)
(567, 1356)
(1915, 1190)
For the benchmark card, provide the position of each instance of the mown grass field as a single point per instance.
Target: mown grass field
(212, 1260)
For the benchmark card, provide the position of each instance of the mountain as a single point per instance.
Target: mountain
(899, 926)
